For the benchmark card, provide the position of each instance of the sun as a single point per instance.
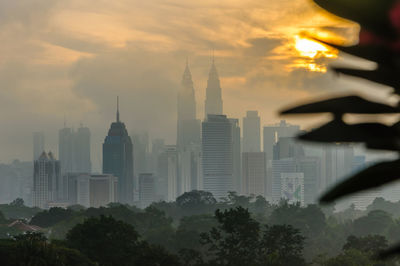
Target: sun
(312, 49)
(310, 54)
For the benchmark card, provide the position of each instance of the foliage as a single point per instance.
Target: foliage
(34, 249)
(238, 240)
(16, 210)
(111, 242)
(51, 217)
(376, 222)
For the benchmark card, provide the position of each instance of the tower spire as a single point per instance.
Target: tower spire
(117, 108)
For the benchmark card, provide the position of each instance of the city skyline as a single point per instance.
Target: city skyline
(260, 59)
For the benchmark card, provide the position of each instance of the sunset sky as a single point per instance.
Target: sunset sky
(72, 58)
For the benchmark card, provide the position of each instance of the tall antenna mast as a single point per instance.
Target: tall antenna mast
(117, 108)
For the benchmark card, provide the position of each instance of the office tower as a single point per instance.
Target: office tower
(190, 168)
(287, 165)
(292, 187)
(147, 191)
(167, 179)
(157, 147)
(38, 144)
(118, 159)
(66, 149)
(217, 155)
(311, 169)
(288, 147)
(237, 155)
(339, 159)
(251, 132)
(213, 103)
(74, 150)
(81, 153)
(140, 153)
(253, 173)
(271, 135)
(16, 181)
(46, 178)
(92, 190)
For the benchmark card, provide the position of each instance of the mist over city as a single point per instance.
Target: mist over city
(199, 133)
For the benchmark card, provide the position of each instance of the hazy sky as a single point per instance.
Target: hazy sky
(74, 57)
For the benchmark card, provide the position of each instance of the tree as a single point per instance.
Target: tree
(3, 219)
(376, 222)
(310, 220)
(235, 241)
(34, 249)
(111, 242)
(282, 245)
(371, 244)
(18, 202)
(51, 217)
(105, 240)
(196, 202)
(189, 230)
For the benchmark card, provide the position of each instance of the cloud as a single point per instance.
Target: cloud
(74, 57)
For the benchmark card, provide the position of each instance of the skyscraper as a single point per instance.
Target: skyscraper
(188, 135)
(81, 153)
(146, 189)
(271, 135)
(236, 155)
(66, 149)
(213, 103)
(74, 150)
(217, 155)
(188, 126)
(167, 179)
(46, 180)
(38, 144)
(118, 159)
(253, 173)
(251, 132)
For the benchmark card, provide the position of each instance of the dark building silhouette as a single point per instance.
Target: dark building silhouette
(118, 159)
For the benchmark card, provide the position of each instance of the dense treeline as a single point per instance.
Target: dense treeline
(198, 230)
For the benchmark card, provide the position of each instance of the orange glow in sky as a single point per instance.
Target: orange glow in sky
(308, 51)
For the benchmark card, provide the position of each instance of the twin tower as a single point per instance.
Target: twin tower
(188, 125)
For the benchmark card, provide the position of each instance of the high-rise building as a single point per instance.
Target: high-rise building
(81, 153)
(188, 136)
(217, 155)
(140, 153)
(167, 179)
(46, 179)
(38, 144)
(236, 155)
(92, 190)
(271, 135)
(147, 193)
(292, 187)
(311, 169)
(213, 103)
(251, 132)
(190, 168)
(74, 150)
(253, 173)
(118, 159)
(188, 130)
(66, 149)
